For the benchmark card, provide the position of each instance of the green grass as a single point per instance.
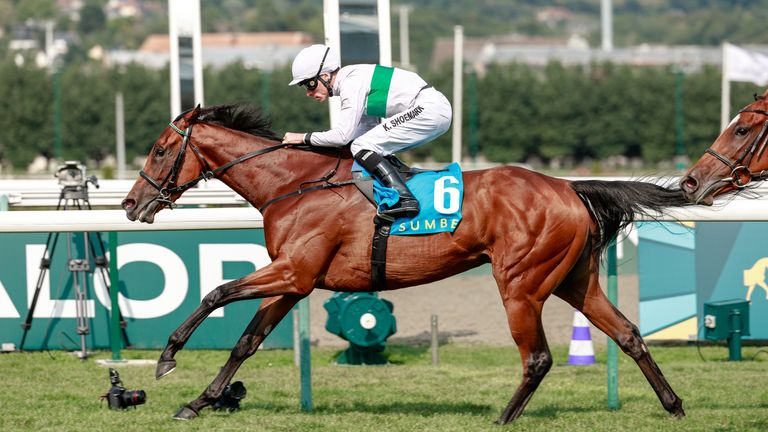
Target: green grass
(58, 392)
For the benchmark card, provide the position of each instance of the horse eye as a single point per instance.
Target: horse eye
(741, 131)
(159, 151)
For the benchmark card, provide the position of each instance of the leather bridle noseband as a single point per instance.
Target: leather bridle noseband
(168, 186)
(741, 175)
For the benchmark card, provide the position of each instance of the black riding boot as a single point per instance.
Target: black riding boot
(383, 171)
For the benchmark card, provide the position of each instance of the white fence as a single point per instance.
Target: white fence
(29, 194)
(45, 193)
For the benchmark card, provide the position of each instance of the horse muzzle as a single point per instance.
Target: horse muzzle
(696, 193)
(129, 205)
(145, 213)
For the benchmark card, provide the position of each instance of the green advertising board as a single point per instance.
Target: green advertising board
(163, 275)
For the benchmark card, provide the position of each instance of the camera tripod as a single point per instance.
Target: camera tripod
(75, 197)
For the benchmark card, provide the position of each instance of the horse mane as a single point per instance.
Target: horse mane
(251, 119)
(242, 117)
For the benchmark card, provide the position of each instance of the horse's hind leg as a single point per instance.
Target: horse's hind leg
(524, 317)
(271, 311)
(583, 292)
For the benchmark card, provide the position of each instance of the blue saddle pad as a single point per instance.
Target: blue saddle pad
(440, 195)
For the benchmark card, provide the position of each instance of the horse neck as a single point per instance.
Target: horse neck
(266, 176)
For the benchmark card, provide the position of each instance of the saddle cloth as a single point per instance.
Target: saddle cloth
(440, 194)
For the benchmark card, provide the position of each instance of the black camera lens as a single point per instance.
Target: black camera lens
(133, 397)
(120, 398)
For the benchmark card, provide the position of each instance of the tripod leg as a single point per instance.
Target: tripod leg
(81, 306)
(78, 267)
(45, 265)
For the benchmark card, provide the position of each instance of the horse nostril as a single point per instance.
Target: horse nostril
(128, 204)
(690, 184)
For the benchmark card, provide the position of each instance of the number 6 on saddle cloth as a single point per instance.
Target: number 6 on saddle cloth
(440, 194)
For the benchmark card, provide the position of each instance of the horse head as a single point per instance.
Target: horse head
(167, 172)
(735, 159)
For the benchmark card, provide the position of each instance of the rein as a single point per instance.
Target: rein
(325, 185)
(741, 175)
(168, 186)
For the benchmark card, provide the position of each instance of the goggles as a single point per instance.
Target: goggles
(309, 84)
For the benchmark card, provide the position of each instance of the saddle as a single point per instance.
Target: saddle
(382, 226)
(365, 184)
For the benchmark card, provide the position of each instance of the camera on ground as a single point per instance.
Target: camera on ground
(230, 397)
(120, 398)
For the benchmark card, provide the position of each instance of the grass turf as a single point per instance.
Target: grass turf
(58, 392)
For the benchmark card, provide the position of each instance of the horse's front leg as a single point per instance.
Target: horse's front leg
(278, 278)
(271, 311)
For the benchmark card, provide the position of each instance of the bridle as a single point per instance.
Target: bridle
(741, 175)
(168, 186)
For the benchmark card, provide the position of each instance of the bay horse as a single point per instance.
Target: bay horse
(541, 235)
(734, 160)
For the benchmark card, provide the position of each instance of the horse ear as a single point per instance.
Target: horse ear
(194, 114)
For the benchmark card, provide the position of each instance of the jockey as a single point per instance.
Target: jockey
(383, 110)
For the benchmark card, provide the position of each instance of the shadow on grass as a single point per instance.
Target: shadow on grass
(397, 354)
(420, 408)
(552, 411)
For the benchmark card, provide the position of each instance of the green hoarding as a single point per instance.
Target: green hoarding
(163, 276)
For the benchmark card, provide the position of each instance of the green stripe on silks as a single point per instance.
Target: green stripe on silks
(377, 98)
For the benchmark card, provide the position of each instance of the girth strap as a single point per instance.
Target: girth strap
(382, 228)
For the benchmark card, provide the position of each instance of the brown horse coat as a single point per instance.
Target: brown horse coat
(542, 235)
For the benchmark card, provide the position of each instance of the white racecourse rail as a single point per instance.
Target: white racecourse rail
(45, 193)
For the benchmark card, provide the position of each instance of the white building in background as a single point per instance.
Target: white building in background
(575, 51)
(265, 51)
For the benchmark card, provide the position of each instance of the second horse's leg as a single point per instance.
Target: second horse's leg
(271, 311)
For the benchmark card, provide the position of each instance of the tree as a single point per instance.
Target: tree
(26, 123)
(92, 17)
(146, 97)
(88, 121)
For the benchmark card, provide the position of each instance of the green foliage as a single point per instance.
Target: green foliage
(522, 113)
(26, 104)
(92, 18)
(572, 114)
(34, 9)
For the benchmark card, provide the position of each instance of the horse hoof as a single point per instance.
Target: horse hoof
(164, 367)
(185, 413)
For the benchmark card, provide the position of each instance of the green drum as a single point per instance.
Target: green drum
(365, 321)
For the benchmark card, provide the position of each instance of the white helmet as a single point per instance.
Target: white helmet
(312, 61)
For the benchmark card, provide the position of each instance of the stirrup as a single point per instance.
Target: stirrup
(406, 208)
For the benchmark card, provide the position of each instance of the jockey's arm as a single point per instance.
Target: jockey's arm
(352, 95)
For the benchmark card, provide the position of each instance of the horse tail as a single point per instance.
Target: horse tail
(614, 205)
